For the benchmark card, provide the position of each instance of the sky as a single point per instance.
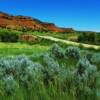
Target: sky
(78, 14)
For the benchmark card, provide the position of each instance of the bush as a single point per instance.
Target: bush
(34, 72)
(28, 70)
(10, 85)
(88, 55)
(98, 38)
(21, 68)
(57, 51)
(96, 58)
(85, 79)
(51, 68)
(72, 52)
(9, 36)
(87, 37)
(84, 67)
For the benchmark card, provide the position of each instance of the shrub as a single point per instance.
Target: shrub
(28, 70)
(2, 72)
(7, 66)
(34, 72)
(72, 52)
(9, 36)
(51, 68)
(96, 58)
(21, 68)
(87, 37)
(10, 85)
(85, 68)
(67, 77)
(85, 73)
(88, 55)
(57, 51)
(85, 79)
(98, 38)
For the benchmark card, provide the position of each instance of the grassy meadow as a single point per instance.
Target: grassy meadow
(46, 70)
(7, 49)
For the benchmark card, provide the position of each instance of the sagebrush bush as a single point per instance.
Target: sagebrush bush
(72, 52)
(57, 51)
(85, 79)
(27, 69)
(88, 55)
(95, 58)
(10, 84)
(84, 67)
(65, 79)
(51, 67)
(19, 68)
(34, 72)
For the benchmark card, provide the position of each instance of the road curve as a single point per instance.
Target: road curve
(70, 42)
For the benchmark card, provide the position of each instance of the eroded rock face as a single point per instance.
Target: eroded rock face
(28, 38)
(7, 20)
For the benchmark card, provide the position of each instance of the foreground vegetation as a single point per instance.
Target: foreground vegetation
(33, 70)
(55, 74)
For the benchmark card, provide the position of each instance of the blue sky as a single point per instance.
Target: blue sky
(79, 14)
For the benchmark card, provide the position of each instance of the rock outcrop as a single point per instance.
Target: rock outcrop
(23, 22)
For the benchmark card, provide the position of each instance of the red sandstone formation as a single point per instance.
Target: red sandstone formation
(21, 22)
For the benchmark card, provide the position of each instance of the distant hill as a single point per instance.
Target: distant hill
(23, 22)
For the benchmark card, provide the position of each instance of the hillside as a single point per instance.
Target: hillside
(27, 23)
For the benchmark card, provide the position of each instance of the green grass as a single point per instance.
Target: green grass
(7, 49)
(40, 92)
(21, 48)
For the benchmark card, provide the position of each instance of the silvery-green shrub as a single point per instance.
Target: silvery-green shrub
(20, 67)
(7, 65)
(57, 51)
(51, 67)
(34, 72)
(24, 60)
(68, 77)
(10, 84)
(85, 73)
(15, 65)
(2, 72)
(72, 52)
(96, 58)
(84, 66)
(85, 77)
(27, 69)
(88, 55)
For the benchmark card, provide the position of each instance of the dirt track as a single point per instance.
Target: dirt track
(70, 42)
